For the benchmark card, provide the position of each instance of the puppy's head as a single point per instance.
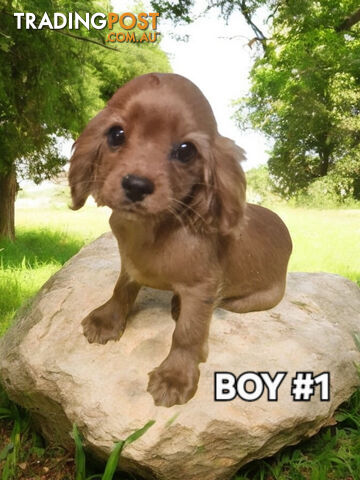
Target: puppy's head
(154, 150)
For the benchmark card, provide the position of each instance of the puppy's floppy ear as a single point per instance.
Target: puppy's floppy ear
(86, 151)
(226, 185)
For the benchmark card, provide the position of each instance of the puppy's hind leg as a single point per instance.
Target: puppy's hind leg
(257, 301)
(108, 321)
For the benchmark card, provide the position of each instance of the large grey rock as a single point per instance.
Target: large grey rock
(47, 365)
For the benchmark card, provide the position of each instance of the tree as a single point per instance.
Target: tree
(305, 95)
(305, 92)
(50, 85)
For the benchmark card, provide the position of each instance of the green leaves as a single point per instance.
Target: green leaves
(139, 433)
(11, 453)
(113, 460)
(305, 95)
(79, 455)
(52, 84)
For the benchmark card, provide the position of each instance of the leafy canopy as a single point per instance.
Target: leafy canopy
(51, 83)
(305, 95)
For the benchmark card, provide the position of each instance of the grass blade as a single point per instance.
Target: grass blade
(139, 433)
(5, 451)
(356, 337)
(6, 473)
(5, 411)
(79, 455)
(113, 461)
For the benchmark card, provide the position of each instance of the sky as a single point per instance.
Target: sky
(218, 64)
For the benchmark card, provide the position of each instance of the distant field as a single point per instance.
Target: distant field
(324, 240)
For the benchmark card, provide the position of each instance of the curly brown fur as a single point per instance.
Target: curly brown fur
(182, 222)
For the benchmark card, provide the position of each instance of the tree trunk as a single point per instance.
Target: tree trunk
(324, 164)
(8, 188)
(349, 21)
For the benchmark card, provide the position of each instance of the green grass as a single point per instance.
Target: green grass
(45, 240)
(324, 240)
(113, 460)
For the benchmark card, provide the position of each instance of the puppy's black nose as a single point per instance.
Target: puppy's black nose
(136, 188)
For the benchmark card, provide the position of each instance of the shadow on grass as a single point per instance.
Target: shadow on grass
(35, 247)
(27, 263)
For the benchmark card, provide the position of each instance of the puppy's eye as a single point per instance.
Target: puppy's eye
(116, 136)
(184, 152)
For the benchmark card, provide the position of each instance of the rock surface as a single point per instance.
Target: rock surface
(47, 365)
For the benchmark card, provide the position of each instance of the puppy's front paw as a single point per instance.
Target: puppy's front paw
(102, 325)
(173, 384)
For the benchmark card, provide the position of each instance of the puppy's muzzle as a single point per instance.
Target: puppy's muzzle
(136, 188)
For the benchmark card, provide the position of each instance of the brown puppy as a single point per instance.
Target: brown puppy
(177, 192)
